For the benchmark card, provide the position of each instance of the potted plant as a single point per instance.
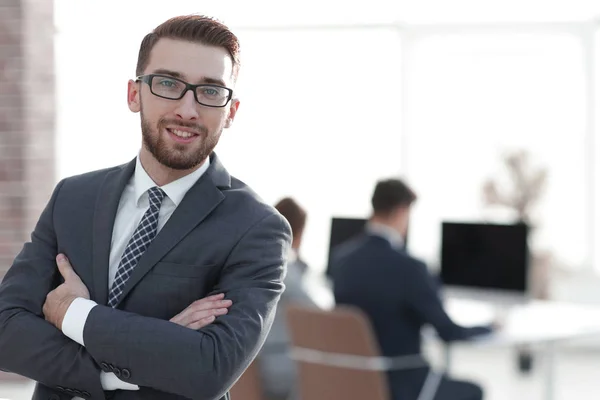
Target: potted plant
(520, 193)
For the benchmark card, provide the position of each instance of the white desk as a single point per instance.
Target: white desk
(539, 323)
(534, 323)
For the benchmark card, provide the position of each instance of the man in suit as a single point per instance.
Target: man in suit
(278, 370)
(138, 245)
(374, 273)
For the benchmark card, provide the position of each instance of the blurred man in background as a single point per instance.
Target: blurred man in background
(277, 369)
(374, 273)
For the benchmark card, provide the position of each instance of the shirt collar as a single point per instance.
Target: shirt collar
(386, 232)
(175, 190)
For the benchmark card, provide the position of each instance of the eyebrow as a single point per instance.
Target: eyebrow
(179, 75)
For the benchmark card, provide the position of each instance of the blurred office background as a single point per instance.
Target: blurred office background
(336, 95)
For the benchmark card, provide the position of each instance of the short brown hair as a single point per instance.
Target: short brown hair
(192, 28)
(295, 215)
(390, 194)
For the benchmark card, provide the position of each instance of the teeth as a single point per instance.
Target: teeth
(182, 134)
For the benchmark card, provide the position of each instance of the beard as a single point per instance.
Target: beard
(179, 156)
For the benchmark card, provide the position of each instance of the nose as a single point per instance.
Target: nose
(187, 107)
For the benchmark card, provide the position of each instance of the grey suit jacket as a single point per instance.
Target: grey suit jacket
(221, 238)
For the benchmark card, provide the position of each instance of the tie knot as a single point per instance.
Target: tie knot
(156, 196)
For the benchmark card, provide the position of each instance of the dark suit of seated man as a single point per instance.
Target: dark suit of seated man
(374, 272)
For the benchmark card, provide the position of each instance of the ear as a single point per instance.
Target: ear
(235, 104)
(402, 218)
(403, 212)
(133, 95)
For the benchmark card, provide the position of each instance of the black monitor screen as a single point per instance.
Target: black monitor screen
(343, 229)
(486, 256)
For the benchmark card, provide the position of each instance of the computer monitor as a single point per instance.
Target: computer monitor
(342, 230)
(485, 256)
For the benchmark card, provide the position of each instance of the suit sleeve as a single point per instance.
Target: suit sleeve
(29, 345)
(201, 364)
(423, 297)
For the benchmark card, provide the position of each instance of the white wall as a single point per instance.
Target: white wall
(326, 112)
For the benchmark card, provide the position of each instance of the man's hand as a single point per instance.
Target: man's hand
(202, 312)
(58, 301)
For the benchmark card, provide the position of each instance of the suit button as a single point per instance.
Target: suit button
(54, 397)
(86, 394)
(105, 367)
(117, 372)
(126, 373)
(60, 388)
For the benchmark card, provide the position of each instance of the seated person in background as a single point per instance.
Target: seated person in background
(277, 369)
(374, 273)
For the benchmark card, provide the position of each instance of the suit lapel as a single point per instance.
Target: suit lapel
(197, 204)
(104, 219)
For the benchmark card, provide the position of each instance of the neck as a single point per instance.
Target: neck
(376, 219)
(161, 174)
(392, 222)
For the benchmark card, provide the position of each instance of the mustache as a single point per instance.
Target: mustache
(200, 129)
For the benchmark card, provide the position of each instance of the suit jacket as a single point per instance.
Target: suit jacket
(221, 238)
(396, 291)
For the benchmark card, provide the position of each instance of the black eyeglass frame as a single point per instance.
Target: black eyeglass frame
(188, 86)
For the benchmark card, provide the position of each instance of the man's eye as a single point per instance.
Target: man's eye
(167, 83)
(211, 92)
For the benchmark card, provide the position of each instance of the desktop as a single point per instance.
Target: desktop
(343, 229)
(485, 258)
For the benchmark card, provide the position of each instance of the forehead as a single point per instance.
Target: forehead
(194, 61)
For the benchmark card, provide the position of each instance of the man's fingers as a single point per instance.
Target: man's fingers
(202, 303)
(64, 267)
(178, 319)
(208, 299)
(191, 319)
(202, 323)
(189, 316)
(198, 315)
(203, 308)
(209, 305)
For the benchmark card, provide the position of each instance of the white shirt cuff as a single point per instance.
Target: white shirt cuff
(111, 382)
(74, 320)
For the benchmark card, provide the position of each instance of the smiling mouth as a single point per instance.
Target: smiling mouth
(181, 134)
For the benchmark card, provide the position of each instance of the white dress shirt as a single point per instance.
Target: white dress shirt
(132, 207)
(386, 232)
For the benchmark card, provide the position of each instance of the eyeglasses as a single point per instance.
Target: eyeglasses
(171, 88)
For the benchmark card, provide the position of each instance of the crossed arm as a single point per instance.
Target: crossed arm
(201, 364)
(164, 355)
(58, 302)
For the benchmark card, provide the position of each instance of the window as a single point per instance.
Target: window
(473, 96)
(319, 121)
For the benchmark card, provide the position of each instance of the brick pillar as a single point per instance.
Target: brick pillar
(27, 119)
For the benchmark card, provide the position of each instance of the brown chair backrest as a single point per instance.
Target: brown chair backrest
(343, 330)
(249, 386)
